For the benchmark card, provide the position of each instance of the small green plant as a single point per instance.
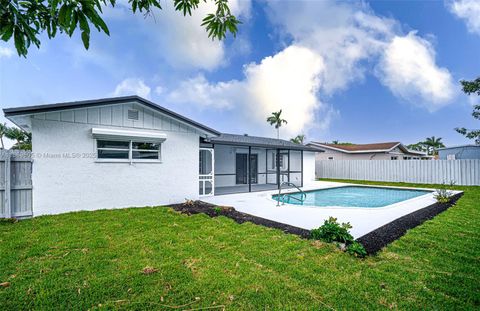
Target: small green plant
(332, 231)
(442, 194)
(356, 249)
(217, 210)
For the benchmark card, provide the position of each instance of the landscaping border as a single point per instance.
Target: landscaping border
(380, 237)
(196, 207)
(372, 241)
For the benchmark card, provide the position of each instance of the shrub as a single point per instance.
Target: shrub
(442, 194)
(332, 231)
(356, 249)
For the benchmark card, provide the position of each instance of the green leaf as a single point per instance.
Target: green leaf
(83, 22)
(86, 39)
(62, 14)
(19, 41)
(7, 32)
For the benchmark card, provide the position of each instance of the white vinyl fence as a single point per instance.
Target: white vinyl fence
(462, 172)
(15, 183)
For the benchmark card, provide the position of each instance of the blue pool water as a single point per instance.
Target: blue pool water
(354, 196)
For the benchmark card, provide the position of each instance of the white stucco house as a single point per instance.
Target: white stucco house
(375, 151)
(128, 151)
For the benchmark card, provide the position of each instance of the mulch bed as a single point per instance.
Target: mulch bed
(196, 207)
(380, 237)
(373, 241)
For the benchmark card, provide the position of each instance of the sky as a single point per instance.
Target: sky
(356, 71)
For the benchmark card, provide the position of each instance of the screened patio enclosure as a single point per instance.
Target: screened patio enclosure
(246, 169)
(227, 167)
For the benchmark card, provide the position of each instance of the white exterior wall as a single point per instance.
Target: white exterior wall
(338, 155)
(64, 184)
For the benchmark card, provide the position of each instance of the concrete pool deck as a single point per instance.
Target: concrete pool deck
(363, 220)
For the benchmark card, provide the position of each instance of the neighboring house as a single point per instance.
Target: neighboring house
(377, 151)
(459, 152)
(128, 151)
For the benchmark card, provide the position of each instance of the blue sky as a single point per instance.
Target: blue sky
(351, 71)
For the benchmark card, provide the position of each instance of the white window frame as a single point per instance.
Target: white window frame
(130, 151)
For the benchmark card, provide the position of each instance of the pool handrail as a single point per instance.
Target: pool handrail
(301, 199)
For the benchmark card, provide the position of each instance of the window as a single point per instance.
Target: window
(330, 158)
(127, 150)
(113, 149)
(393, 158)
(281, 160)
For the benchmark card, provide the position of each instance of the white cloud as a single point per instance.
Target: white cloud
(183, 42)
(288, 80)
(132, 86)
(329, 45)
(408, 69)
(468, 10)
(6, 52)
(200, 91)
(351, 38)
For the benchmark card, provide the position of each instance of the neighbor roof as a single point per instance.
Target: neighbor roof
(364, 148)
(459, 146)
(256, 141)
(18, 111)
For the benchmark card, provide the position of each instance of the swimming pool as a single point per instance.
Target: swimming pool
(353, 196)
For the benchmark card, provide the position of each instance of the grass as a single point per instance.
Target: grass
(94, 260)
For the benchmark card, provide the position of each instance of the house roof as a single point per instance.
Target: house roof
(256, 141)
(27, 110)
(366, 148)
(460, 146)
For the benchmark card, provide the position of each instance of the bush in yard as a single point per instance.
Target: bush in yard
(332, 231)
(356, 249)
(442, 195)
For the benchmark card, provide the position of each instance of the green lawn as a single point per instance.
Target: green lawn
(94, 260)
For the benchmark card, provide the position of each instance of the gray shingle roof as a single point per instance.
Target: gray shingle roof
(256, 141)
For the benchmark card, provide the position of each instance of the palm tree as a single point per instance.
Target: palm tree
(22, 138)
(3, 130)
(276, 120)
(432, 144)
(299, 139)
(417, 147)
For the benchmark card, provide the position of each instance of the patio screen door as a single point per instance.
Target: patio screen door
(206, 172)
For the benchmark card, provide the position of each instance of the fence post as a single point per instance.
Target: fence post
(7, 203)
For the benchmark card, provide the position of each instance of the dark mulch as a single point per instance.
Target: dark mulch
(380, 237)
(196, 207)
(373, 241)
